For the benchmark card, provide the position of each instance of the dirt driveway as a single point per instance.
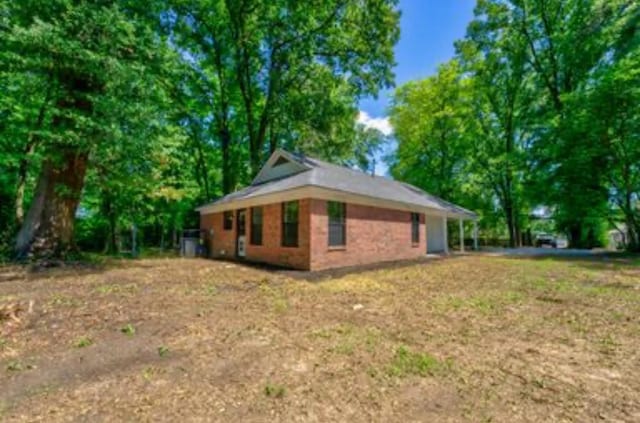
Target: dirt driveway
(471, 338)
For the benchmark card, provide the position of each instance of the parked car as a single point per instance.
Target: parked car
(546, 240)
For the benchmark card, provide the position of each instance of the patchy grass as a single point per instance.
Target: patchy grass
(61, 300)
(163, 351)
(406, 362)
(275, 390)
(275, 297)
(82, 342)
(126, 289)
(481, 338)
(128, 329)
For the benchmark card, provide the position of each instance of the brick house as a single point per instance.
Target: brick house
(304, 213)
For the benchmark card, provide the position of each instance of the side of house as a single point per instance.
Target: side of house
(314, 234)
(304, 213)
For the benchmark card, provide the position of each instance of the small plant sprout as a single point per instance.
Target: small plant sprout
(83, 341)
(163, 350)
(274, 390)
(128, 330)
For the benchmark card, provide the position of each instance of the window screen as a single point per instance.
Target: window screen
(227, 220)
(415, 228)
(337, 223)
(256, 226)
(290, 224)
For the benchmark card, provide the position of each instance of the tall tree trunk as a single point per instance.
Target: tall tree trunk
(22, 179)
(49, 225)
(32, 142)
(48, 229)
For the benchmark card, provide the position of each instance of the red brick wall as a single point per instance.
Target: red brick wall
(372, 235)
(223, 243)
(271, 251)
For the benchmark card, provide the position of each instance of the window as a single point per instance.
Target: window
(290, 224)
(227, 220)
(415, 228)
(256, 225)
(337, 219)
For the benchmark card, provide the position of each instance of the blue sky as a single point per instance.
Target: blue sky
(428, 29)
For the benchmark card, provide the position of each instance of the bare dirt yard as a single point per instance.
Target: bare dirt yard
(472, 338)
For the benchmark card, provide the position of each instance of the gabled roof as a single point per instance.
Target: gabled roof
(297, 171)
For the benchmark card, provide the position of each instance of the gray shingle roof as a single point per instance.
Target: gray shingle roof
(340, 178)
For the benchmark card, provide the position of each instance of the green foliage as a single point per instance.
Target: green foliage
(537, 109)
(170, 104)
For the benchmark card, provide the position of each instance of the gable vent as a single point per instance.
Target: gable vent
(281, 160)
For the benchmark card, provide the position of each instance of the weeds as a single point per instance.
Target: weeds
(274, 390)
(406, 362)
(150, 372)
(211, 290)
(130, 288)
(608, 345)
(163, 351)
(277, 299)
(58, 300)
(82, 342)
(348, 338)
(128, 330)
(17, 366)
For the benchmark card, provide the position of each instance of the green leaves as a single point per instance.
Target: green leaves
(538, 110)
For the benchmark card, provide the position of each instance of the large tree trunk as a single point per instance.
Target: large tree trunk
(32, 142)
(48, 229)
(22, 179)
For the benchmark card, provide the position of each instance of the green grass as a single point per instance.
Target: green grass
(274, 390)
(347, 339)
(18, 366)
(163, 350)
(276, 298)
(61, 300)
(406, 362)
(608, 345)
(484, 303)
(211, 289)
(128, 330)
(130, 288)
(82, 342)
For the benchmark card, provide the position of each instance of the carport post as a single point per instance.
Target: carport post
(445, 235)
(475, 234)
(461, 236)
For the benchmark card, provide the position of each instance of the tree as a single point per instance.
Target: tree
(606, 111)
(566, 41)
(255, 61)
(102, 62)
(495, 56)
(430, 120)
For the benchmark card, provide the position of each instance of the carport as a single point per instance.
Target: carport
(436, 225)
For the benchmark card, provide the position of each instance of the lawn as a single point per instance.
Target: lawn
(463, 339)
